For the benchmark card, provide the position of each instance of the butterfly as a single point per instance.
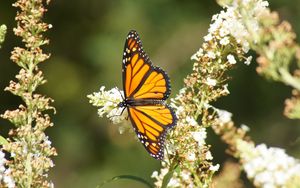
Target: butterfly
(146, 87)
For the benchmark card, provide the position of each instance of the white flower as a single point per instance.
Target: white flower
(267, 166)
(245, 128)
(225, 89)
(246, 1)
(154, 174)
(245, 47)
(214, 167)
(174, 182)
(223, 32)
(191, 121)
(5, 176)
(224, 41)
(185, 174)
(231, 59)
(211, 54)
(261, 7)
(248, 60)
(191, 157)
(197, 55)
(208, 156)
(224, 116)
(10, 183)
(211, 82)
(208, 37)
(117, 115)
(200, 136)
(108, 103)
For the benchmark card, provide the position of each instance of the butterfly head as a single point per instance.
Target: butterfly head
(122, 104)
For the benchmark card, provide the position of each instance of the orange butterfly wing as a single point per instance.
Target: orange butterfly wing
(149, 85)
(151, 124)
(141, 80)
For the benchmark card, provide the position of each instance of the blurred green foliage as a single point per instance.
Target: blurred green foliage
(86, 44)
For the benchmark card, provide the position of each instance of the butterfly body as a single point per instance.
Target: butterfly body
(146, 88)
(140, 102)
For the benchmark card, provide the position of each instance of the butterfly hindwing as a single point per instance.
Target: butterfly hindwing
(142, 80)
(151, 124)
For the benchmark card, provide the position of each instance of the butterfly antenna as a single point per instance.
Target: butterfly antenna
(121, 96)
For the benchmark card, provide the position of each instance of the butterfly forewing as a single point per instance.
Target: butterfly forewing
(146, 84)
(140, 78)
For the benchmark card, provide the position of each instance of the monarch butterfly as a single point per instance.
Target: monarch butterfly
(146, 88)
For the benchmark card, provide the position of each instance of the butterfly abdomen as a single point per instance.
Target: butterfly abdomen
(144, 102)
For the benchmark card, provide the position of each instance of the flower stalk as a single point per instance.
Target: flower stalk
(29, 147)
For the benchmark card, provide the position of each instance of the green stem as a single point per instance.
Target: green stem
(288, 79)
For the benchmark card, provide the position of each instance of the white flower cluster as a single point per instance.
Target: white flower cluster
(108, 102)
(177, 179)
(174, 181)
(5, 178)
(268, 167)
(200, 136)
(230, 23)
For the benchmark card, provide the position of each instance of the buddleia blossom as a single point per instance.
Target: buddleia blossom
(29, 147)
(268, 167)
(224, 46)
(108, 103)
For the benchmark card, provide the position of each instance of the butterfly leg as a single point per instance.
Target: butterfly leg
(119, 114)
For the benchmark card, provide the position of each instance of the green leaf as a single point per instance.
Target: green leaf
(3, 141)
(129, 177)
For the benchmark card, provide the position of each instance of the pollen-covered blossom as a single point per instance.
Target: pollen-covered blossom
(268, 167)
(108, 102)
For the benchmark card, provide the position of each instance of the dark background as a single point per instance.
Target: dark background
(86, 44)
